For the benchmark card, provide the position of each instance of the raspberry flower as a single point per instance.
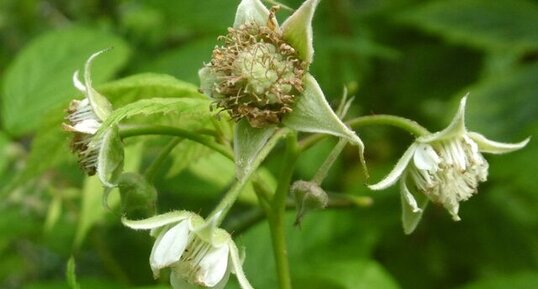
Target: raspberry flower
(198, 253)
(259, 75)
(445, 166)
(104, 154)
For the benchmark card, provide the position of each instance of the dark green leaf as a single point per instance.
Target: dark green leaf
(500, 24)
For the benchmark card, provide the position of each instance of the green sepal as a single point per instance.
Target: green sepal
(248, 143)
(313, 114)
(110, 159)
(138, 196)
(100, 104)
(251, 11)
(297, 30)
(410, 215)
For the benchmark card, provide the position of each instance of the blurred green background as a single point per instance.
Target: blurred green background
(406, 57)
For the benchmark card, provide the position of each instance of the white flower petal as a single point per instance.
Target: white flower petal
(89, 126)
(397, 171)
(297, 30)
(237, 267)
(455, 128)
(251, 11)
(214, 266)
(493, 147)
(157, 221)
(425, 158)
(169, 247)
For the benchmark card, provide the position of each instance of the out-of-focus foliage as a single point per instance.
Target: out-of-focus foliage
(406, 57)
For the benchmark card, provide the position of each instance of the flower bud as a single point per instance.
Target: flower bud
(308, 196)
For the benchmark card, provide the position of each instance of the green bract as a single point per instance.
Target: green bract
(198, 253)
(260, 77)
(445, 166)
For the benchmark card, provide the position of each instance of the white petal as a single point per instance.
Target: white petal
(157, 221)
(397, 171)
(238, 267)
(455, 128)
(89, 126)
(425, 158)
(297, 30)
(169, 247)
(251, 11)
(76, 82)
(248, 143)
(453, 210)
(493, 147)
(213, 266)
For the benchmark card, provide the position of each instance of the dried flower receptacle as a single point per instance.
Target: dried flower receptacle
(258, 75)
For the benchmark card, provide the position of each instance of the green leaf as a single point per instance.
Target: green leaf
(70, 274)
(500, 24)
(4, 143)
(504, 107)
(188, 108)
(147, 85)
(350, 274)
(522, 280)
(91, 210)
(40, 77)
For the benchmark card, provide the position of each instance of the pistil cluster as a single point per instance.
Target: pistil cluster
(258, 75)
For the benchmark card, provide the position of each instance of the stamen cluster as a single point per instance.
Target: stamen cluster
(456, 167)
(84, 123)
(258, 74)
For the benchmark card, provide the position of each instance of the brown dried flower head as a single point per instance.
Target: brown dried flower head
(258, 74)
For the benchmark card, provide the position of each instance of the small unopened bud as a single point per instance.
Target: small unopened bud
(138, 196)
(308, 196)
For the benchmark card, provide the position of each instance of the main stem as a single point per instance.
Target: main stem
(276, 215)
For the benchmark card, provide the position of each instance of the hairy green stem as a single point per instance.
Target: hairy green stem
(323, 170)
(408, 125)
(242, 222)
(196, 136)
(153, 168)
(231, 196)
(276, 216)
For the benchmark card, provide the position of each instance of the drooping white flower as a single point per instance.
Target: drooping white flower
(260, 76)
(85, 118)
(445, 166)
(198, 253)
(101, 154)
